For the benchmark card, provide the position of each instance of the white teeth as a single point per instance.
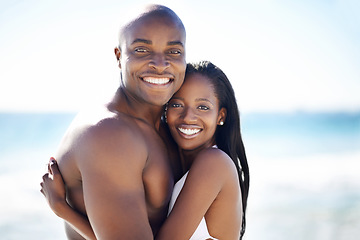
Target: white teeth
(159, 81)
(188, 131)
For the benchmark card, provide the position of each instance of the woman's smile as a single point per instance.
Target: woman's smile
(189, 131)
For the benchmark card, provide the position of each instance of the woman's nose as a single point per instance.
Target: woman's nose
(188, 115)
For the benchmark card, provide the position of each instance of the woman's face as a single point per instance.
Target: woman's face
(193, 113)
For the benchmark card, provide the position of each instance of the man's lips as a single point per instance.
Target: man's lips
(157, 80)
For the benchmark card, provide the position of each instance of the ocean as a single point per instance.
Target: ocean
(304, 175)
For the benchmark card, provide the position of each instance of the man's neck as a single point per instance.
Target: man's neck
(124, 103)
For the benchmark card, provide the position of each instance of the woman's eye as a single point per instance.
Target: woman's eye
(202, 107)
(175, 105)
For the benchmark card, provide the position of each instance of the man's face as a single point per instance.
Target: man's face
(152, 59)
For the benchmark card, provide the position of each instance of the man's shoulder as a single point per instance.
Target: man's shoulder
(101, 138)
(99, 129)
(102, 121)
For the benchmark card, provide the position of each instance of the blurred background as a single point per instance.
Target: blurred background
(294, 66)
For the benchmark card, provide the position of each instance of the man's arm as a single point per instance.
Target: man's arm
(111, 159)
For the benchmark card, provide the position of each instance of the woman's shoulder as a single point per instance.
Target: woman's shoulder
(213, 156)
(213, 160)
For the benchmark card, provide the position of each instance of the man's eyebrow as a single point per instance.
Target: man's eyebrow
(172, 43)
(140, 40)
(149, 42)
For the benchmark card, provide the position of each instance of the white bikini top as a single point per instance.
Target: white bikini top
(201, 232)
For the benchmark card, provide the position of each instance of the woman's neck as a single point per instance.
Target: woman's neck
(187, 157)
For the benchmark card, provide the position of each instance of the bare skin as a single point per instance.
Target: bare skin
(113, 161)
(211, 189)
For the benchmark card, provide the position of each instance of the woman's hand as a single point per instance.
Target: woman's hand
(53, 188)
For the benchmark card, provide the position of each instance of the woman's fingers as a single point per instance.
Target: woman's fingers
(54, 168)
(51, 161)
(45, 176)
(42, 186)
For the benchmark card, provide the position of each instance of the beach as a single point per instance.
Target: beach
(304, 175)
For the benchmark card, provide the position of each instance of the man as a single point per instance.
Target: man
(114, 161)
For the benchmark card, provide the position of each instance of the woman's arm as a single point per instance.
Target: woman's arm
(53, 188)
(206, 179)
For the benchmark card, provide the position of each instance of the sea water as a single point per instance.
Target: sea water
(305, 181)
(26, 142)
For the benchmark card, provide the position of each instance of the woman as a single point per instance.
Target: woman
(203, 119)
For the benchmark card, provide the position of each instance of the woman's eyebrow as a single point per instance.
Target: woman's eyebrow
(203, 100)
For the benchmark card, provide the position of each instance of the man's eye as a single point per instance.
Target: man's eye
(141, 50)
(175, 52)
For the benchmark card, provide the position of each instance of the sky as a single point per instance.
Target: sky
(280, 55)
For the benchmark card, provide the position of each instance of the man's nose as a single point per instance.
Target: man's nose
(159, 62)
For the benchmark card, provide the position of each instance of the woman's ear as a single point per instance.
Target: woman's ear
(117, 52)
(221, 116)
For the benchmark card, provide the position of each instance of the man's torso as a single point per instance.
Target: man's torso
(157, 177)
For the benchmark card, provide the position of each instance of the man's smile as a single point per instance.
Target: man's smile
(156, 81)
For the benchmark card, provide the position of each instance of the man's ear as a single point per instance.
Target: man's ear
(117, 52)
(221, 116)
